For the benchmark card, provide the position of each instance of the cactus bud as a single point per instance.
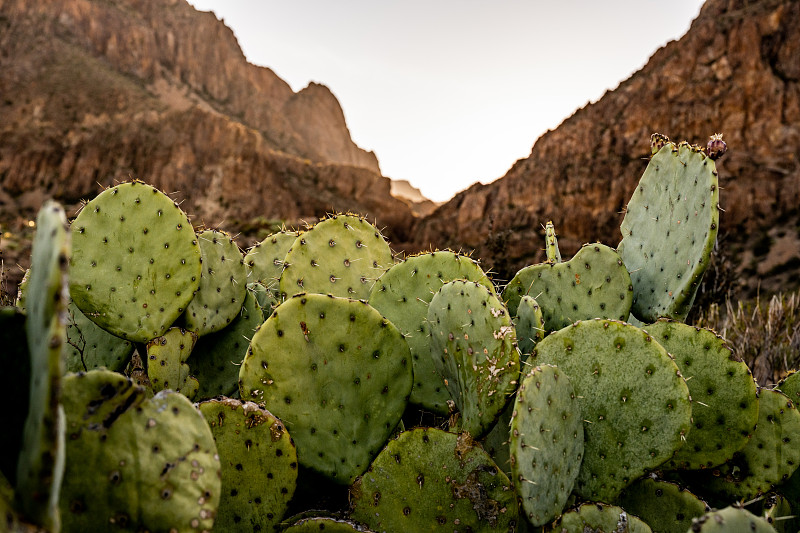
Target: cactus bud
(716, 147)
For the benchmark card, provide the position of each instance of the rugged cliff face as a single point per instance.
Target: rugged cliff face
(736, 71)
(95, 92)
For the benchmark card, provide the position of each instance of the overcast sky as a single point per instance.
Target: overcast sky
(450, 92)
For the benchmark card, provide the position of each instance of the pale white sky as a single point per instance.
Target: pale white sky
(450, 92)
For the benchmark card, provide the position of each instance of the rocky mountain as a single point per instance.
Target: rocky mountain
(94, 92)
(736, 71)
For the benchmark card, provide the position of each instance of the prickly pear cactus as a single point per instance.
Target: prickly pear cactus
(427, 480)
(133, 463)
(89, 346)
(546, 443)
(790, 386)
(669, 230)
(215, 359)
(593, 284)
(663, 505)
(635, 404)
(135, 263)
(722, 389)
(769, 458)
(600, 517)
(15, 382)
(337, 373)
(403, 294)
(223, 284)
(166, 362)
(259, 464)
(264, 261)
(474, 349)
(41, 461)
(552, 252)
(264, 298)
(730, 520)
(529, 325)
(342, 255)
(329, 525)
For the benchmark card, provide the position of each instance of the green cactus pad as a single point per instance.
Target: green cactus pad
(264, 261)
(342, 255)
(134, 463)
(431, 480)
(136, 261)
(329, 525)
(216, 358)
(770, 457)
(790, 386)
(259, 464)
(730, 520)
(89, 346)
(403, 294)
(223, 284)
(600, 517)
(663, 505)
(546, 443)
(264, 298)
(777, 511)
(635, 404)
(497, 440)
(337, 373)
(15, 382)
(166, 362)
(474, 349)
(41, 461)
(529, 324)
(669, 231)
(552, 252)
(593, 284)
(725, 407)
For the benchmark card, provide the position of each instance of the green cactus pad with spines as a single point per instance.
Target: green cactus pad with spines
(770, 457)
(166, 362)
(529, 324)
(264, 298)
(552, 252)
(264, 261)
(135, 463)
(259, 464)
(136, 261)
(474, 349)
(730, 520)
(546, 443)
(777, 511)
(669, 230)
(15, 382)
(600, 517)
(790, 386)
(593, 284)
(725, 406)
(403, 294)
(663, 505)
(635, 404)
(496, 442)
(431, 480)
(41, 460)
(329, 525)
(215, 358)
(337, 373)
(89, 346)
(342, 255)
(223, 284)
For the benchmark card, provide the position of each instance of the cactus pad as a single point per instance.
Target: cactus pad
(166, 362)
(133, 463)
(223, 284)
(730, 520)
(593, 284)
(259, 464)
(343, 255)
(635, 404)
(546, 443)
(264, 261)
(329, 525)
(474, 350)
(427, 480)
(336, 373)
(403, 294)
(663, 505)
(725, 407)
(89, 346)
(600, 517)
(41, 461)
(669, 231)
(529, 324)
(136, 261)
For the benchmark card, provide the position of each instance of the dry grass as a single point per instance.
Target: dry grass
(764, 335)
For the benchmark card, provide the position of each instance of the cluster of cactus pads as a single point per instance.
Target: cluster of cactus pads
(314, 358)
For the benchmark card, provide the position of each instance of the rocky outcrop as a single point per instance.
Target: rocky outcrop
(736, 71)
